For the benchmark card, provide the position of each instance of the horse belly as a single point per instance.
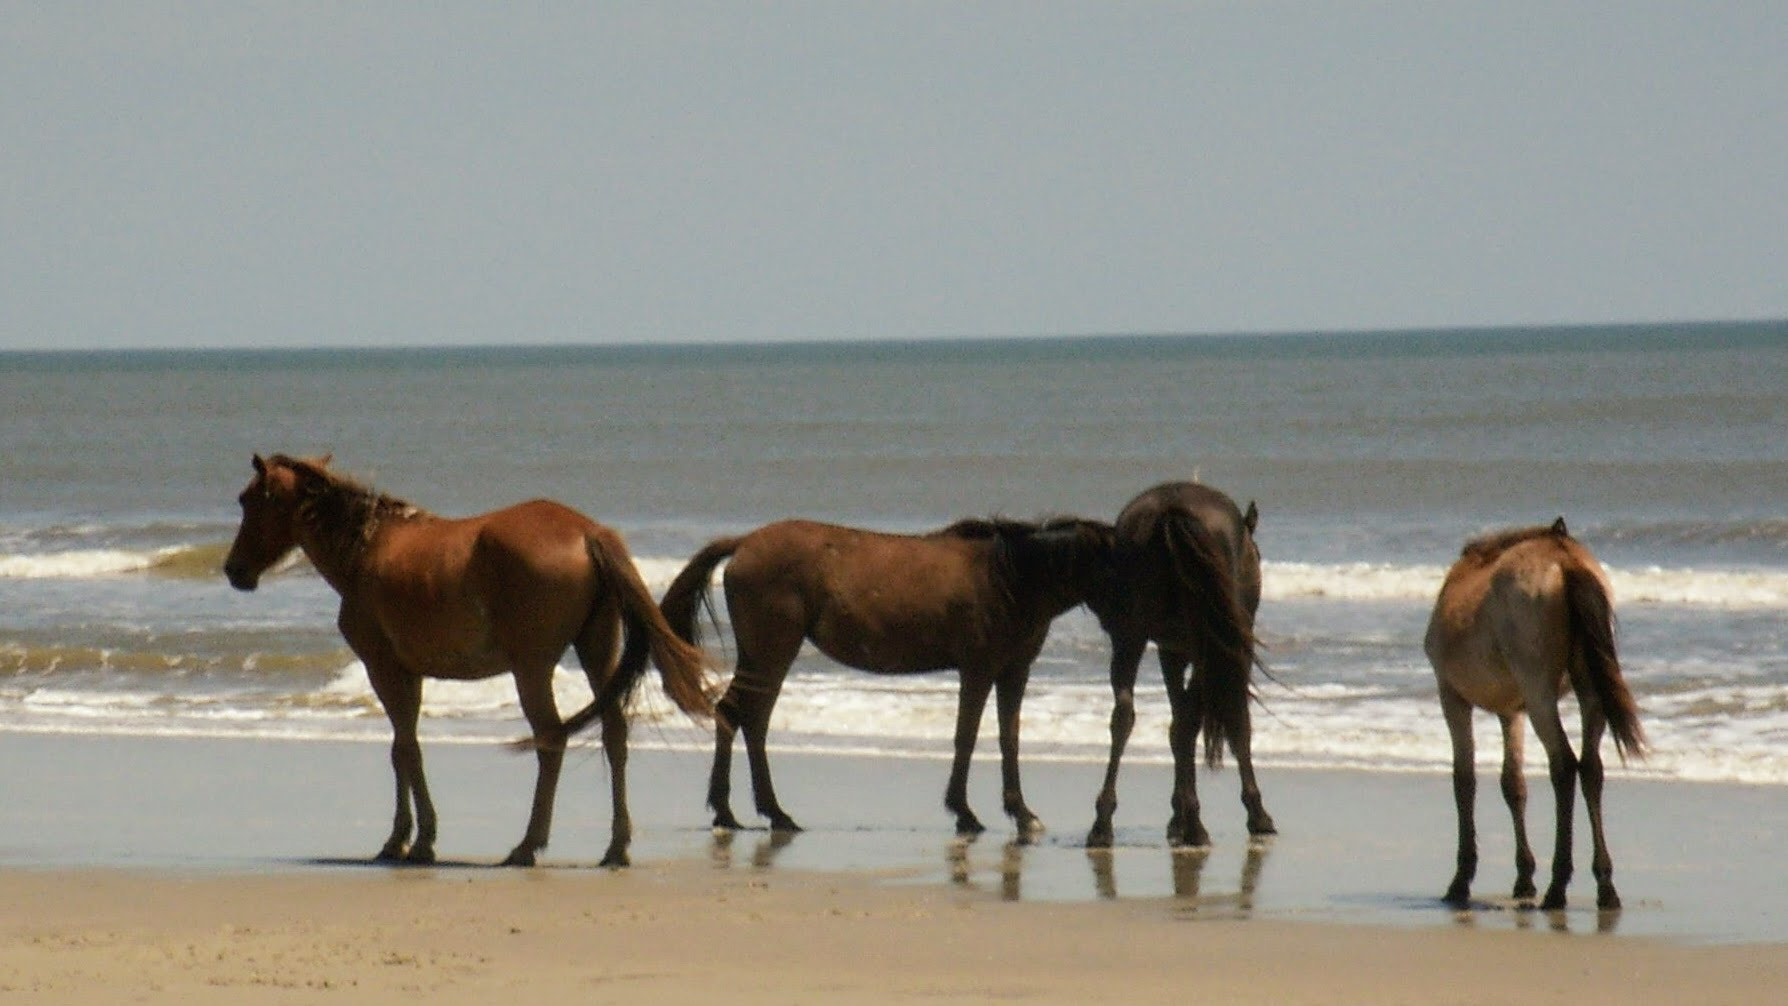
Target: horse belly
(883, 648)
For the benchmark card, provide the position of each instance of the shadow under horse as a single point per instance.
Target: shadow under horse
(1522, 616)
(1188, 580)
(977, 596)
(504, 592)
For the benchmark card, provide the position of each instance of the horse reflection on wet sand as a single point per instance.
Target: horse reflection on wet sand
(504, 592)
(1522, 616)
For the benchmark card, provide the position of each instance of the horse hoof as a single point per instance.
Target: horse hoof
(1197, 839)
(1608, 901)
(419, 857)
(520, 857)
(1554, 902)
(784, 823)
(616, 860)
(727, 822)
(1263, 825)
(1099, 838)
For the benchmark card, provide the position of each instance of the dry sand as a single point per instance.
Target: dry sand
(207, 871)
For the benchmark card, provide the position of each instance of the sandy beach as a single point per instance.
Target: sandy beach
(180, 870)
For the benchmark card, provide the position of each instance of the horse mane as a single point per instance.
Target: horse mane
(343, 513)
(1487, 547)
(1016, 552)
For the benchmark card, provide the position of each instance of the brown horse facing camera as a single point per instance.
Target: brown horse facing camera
(1522, 616)
(1188, 580)
(977, 596)
(507, 591)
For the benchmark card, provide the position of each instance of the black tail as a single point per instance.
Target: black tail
(1223, 642)
(689, 591)
(1596, 667)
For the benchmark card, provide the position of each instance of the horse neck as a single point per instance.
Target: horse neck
(338, 525)
(1048, 580)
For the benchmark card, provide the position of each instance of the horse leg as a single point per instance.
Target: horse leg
(728, 712)
(1126, 656)
(1241, 744)
(614, 746)
(1008, 698)
(1594, 722)
(1563, 765)
(534, 686)
(1514, 793)
(759, 692)
(400, 693)
(596, 651)
(1457, 712)
(971, 702)
(1185, 829)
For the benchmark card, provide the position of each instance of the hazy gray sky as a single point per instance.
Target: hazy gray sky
(239, 174)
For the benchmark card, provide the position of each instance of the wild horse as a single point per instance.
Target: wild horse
(1522, 616)
(977, 596)
(1188, 580)
(508, 591)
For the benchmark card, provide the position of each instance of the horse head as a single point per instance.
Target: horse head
(1079, 555)
(270, 508)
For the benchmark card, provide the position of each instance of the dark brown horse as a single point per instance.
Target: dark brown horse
(1188, 580)
(508, 591)
(1522, 616)
(978, 596)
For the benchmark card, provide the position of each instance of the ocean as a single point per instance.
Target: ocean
(1372, 457)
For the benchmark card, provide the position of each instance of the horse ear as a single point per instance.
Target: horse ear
(1251, 519)
(260, 465)
(1558, 528)
(323, 462)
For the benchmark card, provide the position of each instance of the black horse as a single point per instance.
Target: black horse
(1188, 580)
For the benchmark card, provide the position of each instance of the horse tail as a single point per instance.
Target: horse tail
(1595, 668)
(1223, 642)
(689, 590)
(682, 666)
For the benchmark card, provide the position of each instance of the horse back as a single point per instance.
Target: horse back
(1143, 532)
(880, 602)
(473, 595)
(1502, 623)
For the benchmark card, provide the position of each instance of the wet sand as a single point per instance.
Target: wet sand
(235, 871)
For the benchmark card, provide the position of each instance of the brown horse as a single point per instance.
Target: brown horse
(425, 596)
(1188, 580)
(1522, 616)
(978, 596)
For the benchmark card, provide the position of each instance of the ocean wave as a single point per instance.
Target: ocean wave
(1712, 588)
(1731, 734)
(1281, 580)
(1768, 533)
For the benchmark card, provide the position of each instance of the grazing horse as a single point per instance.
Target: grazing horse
(978, 596)
(1188, 579)
(1522, 616)
(508, 591)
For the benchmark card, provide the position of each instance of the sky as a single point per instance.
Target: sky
(298, 174)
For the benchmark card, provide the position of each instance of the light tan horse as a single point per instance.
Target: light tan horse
(505, 592)
(1522, 616)
(977, 596)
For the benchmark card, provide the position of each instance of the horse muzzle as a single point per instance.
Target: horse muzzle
(240, 577)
